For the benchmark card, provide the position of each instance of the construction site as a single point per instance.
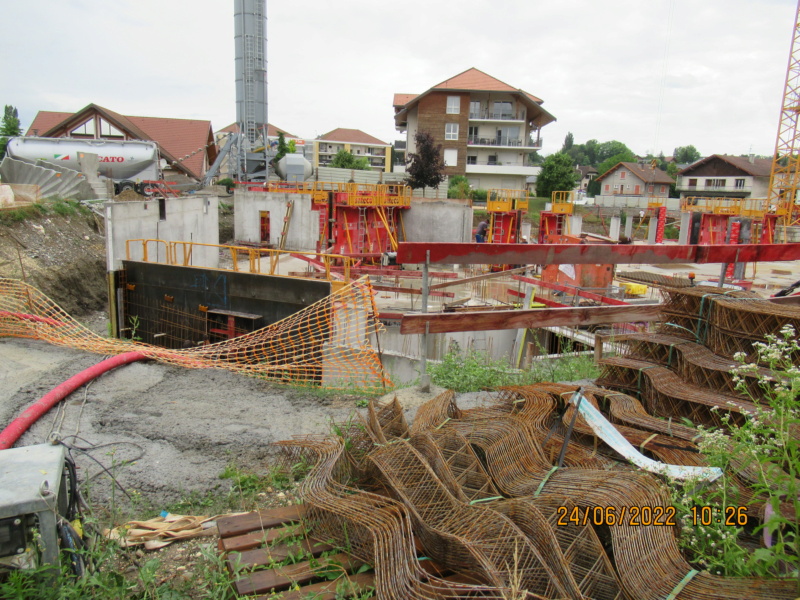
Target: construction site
(303, 342)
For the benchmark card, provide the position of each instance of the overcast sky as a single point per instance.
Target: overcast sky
(652, 74)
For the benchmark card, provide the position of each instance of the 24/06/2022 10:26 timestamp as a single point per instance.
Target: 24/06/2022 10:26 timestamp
(649, 515)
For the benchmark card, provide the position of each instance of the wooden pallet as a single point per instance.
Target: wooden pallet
(251, 542)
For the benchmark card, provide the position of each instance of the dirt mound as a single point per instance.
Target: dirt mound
(128, 196)
(61, 254)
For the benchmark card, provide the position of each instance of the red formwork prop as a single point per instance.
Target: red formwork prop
(661, 221)
(736, 227)
(713, 228)
(543, 254)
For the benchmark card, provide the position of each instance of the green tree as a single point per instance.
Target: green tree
(608, 149)
(458, 187)
(686, 155)
(535, 158)
(344, 159)
(282, 149)
(9, 127)
(624, 156)
(426, 165)
(593, 188)
(672, 171)
(557, 175)
(569, 142)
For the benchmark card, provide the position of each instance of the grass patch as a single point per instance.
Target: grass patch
(472, 371)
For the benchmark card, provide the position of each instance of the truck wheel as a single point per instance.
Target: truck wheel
(126, 185)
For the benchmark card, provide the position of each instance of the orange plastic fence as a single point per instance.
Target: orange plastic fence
(327, 344)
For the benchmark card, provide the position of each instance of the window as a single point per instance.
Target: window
(663, 189)
(473, 135)
(715, 183)
(453, 105)
(693, 183)
(451, 131)
(450, 157)
(607, 187)
(474, 110)
(492, 159)
(637, 189)
(650, 189)
(472, 160)
(502, 110)
(622, 174)
(739, 184)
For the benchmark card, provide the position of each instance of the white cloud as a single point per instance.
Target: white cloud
(653, 75)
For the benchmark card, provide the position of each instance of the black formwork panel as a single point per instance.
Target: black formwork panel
(173, 306)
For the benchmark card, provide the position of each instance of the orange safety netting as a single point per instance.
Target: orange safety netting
(327, 344)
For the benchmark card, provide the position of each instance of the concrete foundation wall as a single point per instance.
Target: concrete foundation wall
(303, 232)
(438, 221)
(621, 201)
(185, 219)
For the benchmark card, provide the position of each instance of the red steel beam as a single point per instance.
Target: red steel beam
(570, 290)
(404, 290)
(527, 319)
(598, 254)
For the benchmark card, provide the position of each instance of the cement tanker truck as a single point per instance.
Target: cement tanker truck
(127, 162)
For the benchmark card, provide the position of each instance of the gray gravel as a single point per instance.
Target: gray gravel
(186, 424)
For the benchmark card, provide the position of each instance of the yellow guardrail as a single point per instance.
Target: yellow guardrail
(740, 207)
(261, 261)
(504, 200)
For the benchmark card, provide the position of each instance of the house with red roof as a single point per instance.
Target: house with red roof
(358, 143)
(485, 126)
(635, 179)
(186, 146)
(721, 175)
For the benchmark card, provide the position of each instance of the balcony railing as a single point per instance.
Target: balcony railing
(496, 116)
(715, 188)
(500, 163)
(474, 140)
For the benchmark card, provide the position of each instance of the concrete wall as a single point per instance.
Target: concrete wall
(625, 201)
(184, 219)
(303, 230)
(442, 221)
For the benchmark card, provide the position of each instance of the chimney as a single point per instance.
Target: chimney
(752, 158)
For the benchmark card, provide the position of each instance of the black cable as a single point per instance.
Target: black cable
(72, 544)
(111, 475)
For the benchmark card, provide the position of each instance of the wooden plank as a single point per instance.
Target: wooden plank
(437, 286)
(326, 590)
(254, 539)
(257, 520)
(517, 319)
(260, 557)
(282, 578)
(558, 254)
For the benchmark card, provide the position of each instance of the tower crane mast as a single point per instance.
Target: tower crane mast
(784, 185)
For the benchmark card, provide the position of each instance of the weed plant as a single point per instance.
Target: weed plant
(474, 370)
(768, 446)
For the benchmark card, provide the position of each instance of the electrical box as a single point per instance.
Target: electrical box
(33, 496)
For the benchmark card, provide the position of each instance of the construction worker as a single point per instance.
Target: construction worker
(480, 232)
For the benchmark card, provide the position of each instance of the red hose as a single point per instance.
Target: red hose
(21, 424)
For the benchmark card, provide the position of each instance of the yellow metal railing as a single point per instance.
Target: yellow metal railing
(503, 200)
(563, 202)
(262, 261)
(740, 207)
(371, 194)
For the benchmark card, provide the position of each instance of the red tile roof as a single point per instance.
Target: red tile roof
(184, 143)
(403, 99)
(468, 81)
(646, 173)
(351, 136)
(760, 167)
(46, 120)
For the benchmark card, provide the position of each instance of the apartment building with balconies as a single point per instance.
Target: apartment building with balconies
(358, 143)
(724, 176)
(486, 127)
